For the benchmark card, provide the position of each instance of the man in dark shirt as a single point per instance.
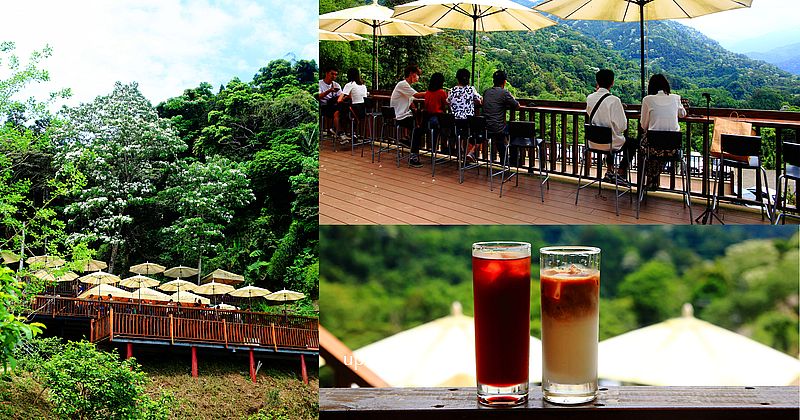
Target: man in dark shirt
(496, 101)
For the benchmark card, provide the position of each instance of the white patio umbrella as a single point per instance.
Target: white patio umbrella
(637, 11)
(48, 276)
(687, 351)
(214, 288)
(147, 268)
(372, 19)
(144, 293)
(93, 265)
(221, 276)
(250, 292)
(176, 286)
(105, 290)
(139, 281)
(181, 271)
(47, 260)
(339, 36)
(99, 277)
(438, 353)
(189, 297)
(474, 15)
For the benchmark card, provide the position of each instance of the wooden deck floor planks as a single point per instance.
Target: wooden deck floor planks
(353, 190)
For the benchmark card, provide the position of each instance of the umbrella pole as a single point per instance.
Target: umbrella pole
(474, 38)
(374, 56)
(641, 46)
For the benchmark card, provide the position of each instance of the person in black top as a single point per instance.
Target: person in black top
(496, 101)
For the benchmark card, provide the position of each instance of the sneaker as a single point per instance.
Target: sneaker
(622, 182)
(344, 139)
(609, 177)
(471, 157)
(414, 162)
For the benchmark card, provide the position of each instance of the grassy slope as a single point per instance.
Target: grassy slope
(223, 391)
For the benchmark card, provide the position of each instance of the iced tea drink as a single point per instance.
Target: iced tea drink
(501, 278)
(570, 292)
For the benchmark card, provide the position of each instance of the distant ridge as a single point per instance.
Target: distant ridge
(786, 57)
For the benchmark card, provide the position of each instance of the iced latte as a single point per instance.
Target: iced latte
(570, 285)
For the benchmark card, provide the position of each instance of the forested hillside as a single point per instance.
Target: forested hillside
(559, 62)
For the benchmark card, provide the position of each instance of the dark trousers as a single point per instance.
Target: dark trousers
(499, 144)
(629, 150)
(416, 134)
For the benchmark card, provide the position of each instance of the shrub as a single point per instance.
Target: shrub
(85, 383)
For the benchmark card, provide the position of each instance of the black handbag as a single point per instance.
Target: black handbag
(596, 133)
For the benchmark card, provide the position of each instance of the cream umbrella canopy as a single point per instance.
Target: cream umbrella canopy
(687, 351)
(474, 15)
(144, 293)
(221, 276)
(138, 281)
(214, 288)
(176, 286)
(637, 11)
(93, 265)
(147, 268)
(47, 260)
(9, 257)
(104, 290)
(46, 275)
(339, 36)
(438, 353)
(99, 277)
(189, 297)
(372, 19)
(181, 271)
(250, 292)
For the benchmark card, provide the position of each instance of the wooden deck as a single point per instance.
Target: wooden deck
(626, 402)
(353, 190)
(171, 325)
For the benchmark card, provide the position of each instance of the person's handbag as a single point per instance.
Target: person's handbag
(595, 132)
(732, 125)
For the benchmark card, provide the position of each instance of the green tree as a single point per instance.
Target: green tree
(86, 383)
(122, 146)
(656, 291)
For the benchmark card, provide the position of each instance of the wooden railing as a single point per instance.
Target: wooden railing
(560, 124)
(122, 319)
(63, 306)
(613, 403)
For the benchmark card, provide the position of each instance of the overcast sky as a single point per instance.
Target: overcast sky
(164, 45)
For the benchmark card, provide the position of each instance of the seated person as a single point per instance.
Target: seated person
(660, 111)
(355, 91)
(462, 99)
(329, 92)
(402, 101)
(435, 103)
(496, 101)
(611, 114)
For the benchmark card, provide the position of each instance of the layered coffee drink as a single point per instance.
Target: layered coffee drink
(570, 294)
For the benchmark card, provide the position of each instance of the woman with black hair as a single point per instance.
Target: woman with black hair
(354, 92)
(660, 112)
(462, 99)
(435, 103)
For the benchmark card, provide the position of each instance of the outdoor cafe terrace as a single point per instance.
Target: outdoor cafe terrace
(356, 190)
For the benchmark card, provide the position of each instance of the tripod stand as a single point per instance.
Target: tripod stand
(708, 215)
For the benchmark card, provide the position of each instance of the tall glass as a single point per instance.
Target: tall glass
(570, 289)
(501, 279)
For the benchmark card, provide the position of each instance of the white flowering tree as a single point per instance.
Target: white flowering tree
(205, 197)
(123, 148)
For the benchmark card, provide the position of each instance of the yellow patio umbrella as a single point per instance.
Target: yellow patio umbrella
(189, 297)
(222, 276)
(144, 293)
(474, 15)
(250, 292)
(104, 290)
(46, 260)
(214, 288)
(99, 277)
(9, 257)
(176, 286)
(147, 268)
(181, 271)
(372, 19)
(93, 265)
(438, 353)
(687, 351)
(637, 11)
(339, 36)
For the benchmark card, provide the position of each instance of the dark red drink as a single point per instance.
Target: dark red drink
(502, 290)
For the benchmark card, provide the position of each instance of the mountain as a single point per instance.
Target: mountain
(786, 57)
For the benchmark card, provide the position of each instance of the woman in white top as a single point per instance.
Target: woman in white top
(355, 91)
(660, 112)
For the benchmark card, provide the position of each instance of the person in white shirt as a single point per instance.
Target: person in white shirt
(660, 112)
(611, 114)
(329, 92)
(402, 101)
(354, 91)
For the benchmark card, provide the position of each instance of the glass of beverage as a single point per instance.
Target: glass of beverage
(570, 290)
(501, 279)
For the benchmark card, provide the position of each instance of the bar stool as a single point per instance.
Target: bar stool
(372, 122)
(664, 141)
(445, 124)
(389, 143)
(603, 147)
(522, 135)
(357, 121)
(742, 152)
(477, 131)
(791, 157)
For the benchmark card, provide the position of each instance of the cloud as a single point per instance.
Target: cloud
(164, 45)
